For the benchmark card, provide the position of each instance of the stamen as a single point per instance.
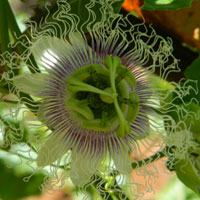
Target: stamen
(107, 99)
(80, 107)
(77, 85)
(125, 73)
(85, 71)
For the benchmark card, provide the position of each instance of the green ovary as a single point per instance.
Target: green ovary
(100, 97)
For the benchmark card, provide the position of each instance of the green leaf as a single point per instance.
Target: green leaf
(188, 174)
(79, 7)
(166, 4)
(195, 126)
(117, 6)
(193, 72)
(15, 30)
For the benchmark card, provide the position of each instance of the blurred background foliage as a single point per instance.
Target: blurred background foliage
(12, 183)
(178, 19)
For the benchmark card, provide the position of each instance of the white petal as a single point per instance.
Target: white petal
(30, 83)
(49, 51)
(122, 161)
(83, 166)
(80, 44)
(53, 149)
(77, 39)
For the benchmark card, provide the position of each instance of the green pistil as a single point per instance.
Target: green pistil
(101, 96)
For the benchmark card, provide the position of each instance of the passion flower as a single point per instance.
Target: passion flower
(94, 95)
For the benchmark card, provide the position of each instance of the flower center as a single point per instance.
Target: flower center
(100, 97)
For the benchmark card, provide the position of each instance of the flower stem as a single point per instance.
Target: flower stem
(12, 23)
(150, 159)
